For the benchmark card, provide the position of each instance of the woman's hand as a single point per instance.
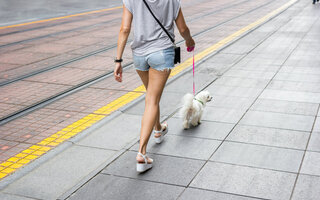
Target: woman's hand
(190, 43)
(118, 72)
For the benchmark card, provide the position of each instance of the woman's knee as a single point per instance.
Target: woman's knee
(152, 100)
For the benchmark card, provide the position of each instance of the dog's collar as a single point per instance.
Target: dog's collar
(199, 101)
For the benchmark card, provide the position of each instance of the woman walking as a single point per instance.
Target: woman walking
(153, 56)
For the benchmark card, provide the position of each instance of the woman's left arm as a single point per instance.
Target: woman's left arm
(122, 40)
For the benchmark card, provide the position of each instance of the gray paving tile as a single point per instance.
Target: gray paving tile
(278, 120)
(184, 83)
(245, 44)
(289, 107)
(215, 69)
(302, 61)
(245, 181)
(239, 48)
(269, 136)
(274, 58)
(308, 187)
(277, 44)
(115, 134)
(60, 173)
(294, 86)
(252, 38)
(249, 74)
(311, 163)
(226, 115)
(300, 70)
(300, 52)
(258, 66)
(211, 130)
(231, 102)
(241, 82)
(169, 103)
(316, 127)
(306, 44)
(12, 197)
(224, 58)
(314, 78)
(192, 193)
(314, 143)
(257, 61)
(259, 156)
(233, 91)
(104, 187)
(166, 169)
(186, 147)
(291, 96)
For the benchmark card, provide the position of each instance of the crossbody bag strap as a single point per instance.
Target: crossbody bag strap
(164, 29)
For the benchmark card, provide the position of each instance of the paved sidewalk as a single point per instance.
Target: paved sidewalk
(259, 139)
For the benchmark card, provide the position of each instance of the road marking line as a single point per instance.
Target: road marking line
(33, 152)
(63, 17)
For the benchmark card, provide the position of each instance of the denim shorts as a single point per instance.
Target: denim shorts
(159, 60)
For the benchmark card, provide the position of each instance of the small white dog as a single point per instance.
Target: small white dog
(192, 109)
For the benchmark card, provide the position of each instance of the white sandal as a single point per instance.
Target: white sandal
(142, 167)
(163, 131)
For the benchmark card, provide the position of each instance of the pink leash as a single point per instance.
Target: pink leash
(189, 49)
(194, 87)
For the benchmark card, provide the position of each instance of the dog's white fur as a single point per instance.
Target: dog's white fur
(192, 109)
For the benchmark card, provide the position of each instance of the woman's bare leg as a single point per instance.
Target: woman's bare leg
(155, 85)
(144, 76)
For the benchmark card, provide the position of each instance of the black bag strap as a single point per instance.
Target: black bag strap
(172, 40)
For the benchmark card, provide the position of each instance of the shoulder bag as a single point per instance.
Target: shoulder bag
(177, 51)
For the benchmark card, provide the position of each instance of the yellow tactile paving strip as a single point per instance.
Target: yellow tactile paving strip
(33, 152)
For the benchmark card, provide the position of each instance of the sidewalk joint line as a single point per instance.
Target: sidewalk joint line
(229, 193)
(253, 167)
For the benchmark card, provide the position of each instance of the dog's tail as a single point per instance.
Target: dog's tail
(187, 101)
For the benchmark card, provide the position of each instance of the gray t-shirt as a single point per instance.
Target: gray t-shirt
(148, 35)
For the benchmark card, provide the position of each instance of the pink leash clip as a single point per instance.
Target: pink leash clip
(189, 49)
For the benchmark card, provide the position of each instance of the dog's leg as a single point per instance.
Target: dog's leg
(186, 124)
(194, 121)
(199, 120)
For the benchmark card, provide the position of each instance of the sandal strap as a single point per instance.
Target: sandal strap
(162, 129)
(144, 157)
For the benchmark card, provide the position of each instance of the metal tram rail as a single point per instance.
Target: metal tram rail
(46, 101)
(36, 72)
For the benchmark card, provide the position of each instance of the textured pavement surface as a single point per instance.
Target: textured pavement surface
(81, 48)
(259, 139)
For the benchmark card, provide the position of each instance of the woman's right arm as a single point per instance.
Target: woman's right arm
(184, 30)
(122, 40)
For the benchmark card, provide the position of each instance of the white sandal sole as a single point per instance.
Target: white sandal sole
(142, 167)
(158, 140)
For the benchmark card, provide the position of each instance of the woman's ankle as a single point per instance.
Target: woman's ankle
(143, 151)
(158, 127)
